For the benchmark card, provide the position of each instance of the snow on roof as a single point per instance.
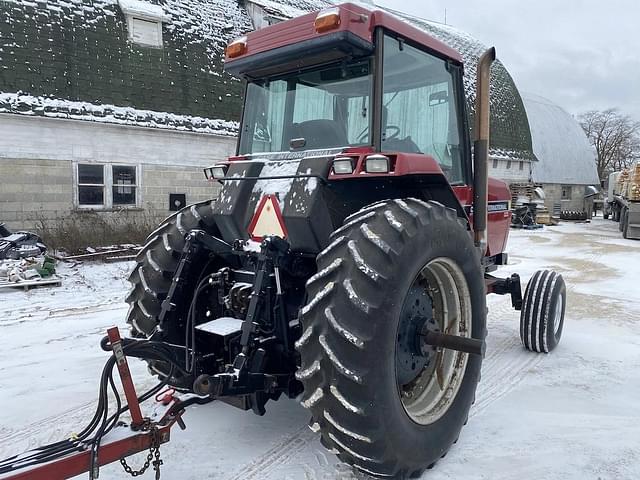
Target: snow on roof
(186, 80)
(55, 108)
(142, 9)
(288, 9)
(563, 150)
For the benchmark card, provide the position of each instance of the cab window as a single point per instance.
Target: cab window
(419, 107)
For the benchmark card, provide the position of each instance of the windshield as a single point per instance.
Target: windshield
(321, 108)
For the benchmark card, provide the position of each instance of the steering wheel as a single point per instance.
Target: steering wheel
(395, 132)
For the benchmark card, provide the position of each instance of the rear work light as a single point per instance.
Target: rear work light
(216, 172)
(376, 164)
(327, 20)
(237, 47)
(343, 166)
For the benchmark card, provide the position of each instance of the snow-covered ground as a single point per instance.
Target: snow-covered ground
(572, 414)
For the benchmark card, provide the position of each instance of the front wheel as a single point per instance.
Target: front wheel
(386, 402)
(542, 314)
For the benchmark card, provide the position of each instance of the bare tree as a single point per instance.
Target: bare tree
(615, 136)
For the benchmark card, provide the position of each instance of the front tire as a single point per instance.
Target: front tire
(542, 314)
(379, 284)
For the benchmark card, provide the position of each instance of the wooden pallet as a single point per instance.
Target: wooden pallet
(53, 281)
(526, 190)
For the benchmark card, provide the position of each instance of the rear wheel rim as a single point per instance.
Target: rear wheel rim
(428, 396)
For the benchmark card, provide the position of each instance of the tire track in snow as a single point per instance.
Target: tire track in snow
(504, 368)
(49, 429)
(276, 456)
(26, 315)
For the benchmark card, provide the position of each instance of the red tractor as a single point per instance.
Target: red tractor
(347, 259)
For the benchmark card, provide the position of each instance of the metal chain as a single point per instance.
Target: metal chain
(154, 452)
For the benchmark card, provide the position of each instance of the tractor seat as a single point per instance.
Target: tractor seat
(319, 133)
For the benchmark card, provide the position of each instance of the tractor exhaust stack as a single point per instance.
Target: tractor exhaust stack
(481, 150)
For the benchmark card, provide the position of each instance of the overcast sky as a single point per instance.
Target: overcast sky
(582, 54)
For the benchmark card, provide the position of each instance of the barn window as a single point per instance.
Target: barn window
(521, 165)
(100, 186)
(144, 22)
(508, 163)
(566, 192)
(124, 185)
(495, 163)
(91, 185)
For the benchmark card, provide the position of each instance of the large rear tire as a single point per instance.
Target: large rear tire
(393, 269)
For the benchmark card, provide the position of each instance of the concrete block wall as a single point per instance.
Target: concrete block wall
(37, 158)
(34, 188)
(158, 181)
(553, 196)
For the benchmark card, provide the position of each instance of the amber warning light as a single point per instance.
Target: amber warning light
(327, 20)
(237, 47)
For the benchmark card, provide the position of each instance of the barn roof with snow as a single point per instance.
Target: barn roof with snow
(73, 59)
(561, 146)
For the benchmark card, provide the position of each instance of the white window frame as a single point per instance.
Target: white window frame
(107, 187)
(152, 14)
(158, 24)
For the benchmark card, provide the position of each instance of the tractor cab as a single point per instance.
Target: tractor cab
(419, 104)
(369, 104)
(351, 85)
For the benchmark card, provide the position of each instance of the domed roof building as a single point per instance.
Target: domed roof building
(566, 160)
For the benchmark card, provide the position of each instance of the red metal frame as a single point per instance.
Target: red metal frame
(109, 452)
(120, 442)
(125, 376)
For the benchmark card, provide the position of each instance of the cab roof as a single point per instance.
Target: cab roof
(357, 23)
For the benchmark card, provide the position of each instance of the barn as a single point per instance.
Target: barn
(566, 165)
(110, 109)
